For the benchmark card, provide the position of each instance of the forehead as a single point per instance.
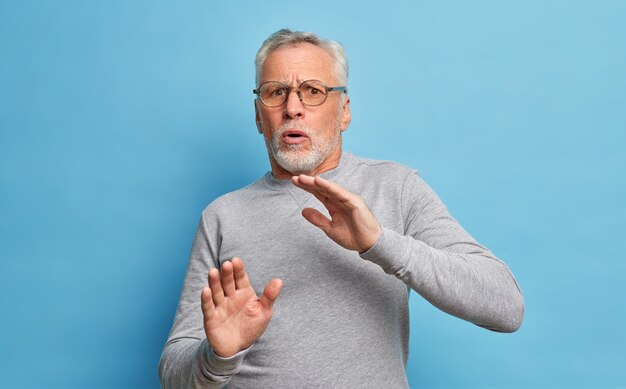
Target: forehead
(297, 63)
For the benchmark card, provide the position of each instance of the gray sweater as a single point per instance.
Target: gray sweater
(342, 319)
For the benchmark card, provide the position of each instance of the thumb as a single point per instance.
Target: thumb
(271, 292)
(316, 218)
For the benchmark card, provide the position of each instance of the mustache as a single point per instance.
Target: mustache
(292, 126)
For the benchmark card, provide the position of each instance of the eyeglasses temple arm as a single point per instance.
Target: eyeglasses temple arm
(338, 88)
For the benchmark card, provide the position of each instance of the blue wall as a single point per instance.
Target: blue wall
(121, 120)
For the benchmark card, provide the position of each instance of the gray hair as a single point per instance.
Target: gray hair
(287, 37)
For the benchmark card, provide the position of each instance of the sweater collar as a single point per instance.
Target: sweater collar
(332, 174)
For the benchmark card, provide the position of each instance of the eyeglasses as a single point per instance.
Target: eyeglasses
(311, 92)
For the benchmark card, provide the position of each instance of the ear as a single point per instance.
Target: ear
(346, 117)
(257, 118)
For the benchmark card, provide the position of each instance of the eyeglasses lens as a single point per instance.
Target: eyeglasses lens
(275, 93)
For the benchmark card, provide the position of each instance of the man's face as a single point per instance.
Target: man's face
(299, 138)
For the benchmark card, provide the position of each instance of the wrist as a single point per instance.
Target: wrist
(374, 237)
(224, 352)
(217, 366)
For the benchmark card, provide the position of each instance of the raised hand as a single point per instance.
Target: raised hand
(234, 317)
(352, 224)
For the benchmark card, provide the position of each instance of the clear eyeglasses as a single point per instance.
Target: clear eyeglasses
(310, 92)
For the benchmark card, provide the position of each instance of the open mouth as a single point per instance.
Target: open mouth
(294, 137)
(294, 134)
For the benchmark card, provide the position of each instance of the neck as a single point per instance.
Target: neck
(331, 162)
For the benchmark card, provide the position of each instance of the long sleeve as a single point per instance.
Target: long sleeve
(190, 363)
(438, 259)
(187, 360)
(420, 244)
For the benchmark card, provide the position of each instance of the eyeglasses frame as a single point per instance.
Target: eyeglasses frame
(288, 88)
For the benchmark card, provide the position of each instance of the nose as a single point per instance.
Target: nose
(293, 107)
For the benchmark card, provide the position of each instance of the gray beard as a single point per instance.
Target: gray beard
(293, 159)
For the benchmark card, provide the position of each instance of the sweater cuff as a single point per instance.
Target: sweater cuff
(388, 251)
(215, 366)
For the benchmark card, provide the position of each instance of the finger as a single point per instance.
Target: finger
(303, 180)
(271, 292)
(332, 189)
(307, 183)
(318, 219)
(241, 277)
(216, 287)
(227, 279)
(323, 187)
(208, 308)
(318, 195)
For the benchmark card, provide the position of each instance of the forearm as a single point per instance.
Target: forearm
(472, 285)
(187, 360)
(190, 363)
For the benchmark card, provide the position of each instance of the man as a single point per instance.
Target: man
(345, 238)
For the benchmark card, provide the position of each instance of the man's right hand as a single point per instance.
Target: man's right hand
(234, 317)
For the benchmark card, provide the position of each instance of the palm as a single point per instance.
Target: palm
(234, 317)
(352, 225)
(341, 224)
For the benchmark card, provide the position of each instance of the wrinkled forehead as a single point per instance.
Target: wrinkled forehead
(293, 64)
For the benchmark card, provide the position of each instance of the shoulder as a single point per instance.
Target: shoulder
(380, 170)
(389, 179)
(236, 200)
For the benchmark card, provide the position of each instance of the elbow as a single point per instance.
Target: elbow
(511, 317)
(166, 367)
(162, 370)
(512, 309)
(516, 311)
(511, 325)
(517, 314)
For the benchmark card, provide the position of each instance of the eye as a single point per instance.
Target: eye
(311, 89)
(277, 92)
(273, 90)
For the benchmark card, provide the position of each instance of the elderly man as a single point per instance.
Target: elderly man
(337, 240)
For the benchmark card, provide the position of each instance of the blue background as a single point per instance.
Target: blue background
(121, 120)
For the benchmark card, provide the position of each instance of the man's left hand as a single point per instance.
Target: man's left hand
(352, 225)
